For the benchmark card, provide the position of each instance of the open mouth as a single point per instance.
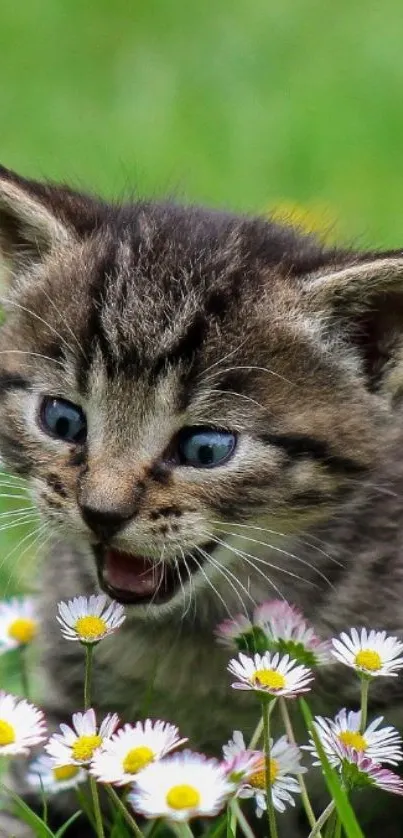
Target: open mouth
(133, 579)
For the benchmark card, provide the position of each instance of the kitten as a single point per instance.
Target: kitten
(207, 411)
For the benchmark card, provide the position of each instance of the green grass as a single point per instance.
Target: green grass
(239, 104)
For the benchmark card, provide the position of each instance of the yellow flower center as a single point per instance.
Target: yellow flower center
(353, 739)
(258, 779)
(65, 772)
(7, 733)
(90, 627)
(137, 758)
(368, 659)
(85, 746)
(183, 797)
(269, 678)
(23, 630)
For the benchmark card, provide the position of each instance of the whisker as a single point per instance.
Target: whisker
(22, 522)
(39, 544)
(241, 396)
(52, 302)
(160, 561)
(11, 512)
(227, 573)
(34, 355)
(247, 556)
(221, 360)
(283, 552)
(6, 558)
(303, 541)
(239, 553)
(41, 319)
(189, 605)
(250, 368)
(210, 583)
(15, 497)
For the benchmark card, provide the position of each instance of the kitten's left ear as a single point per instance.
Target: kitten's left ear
(29, 226)
(363, 303)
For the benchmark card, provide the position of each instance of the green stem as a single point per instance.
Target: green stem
(183, 830)
(88, 676)
(240, 818)
(304, 793)
(231, 822)
(24, 672)
(125, 814)
(97, 808)
(271, 818)
(256, 736)
(337, 830)
(364, 702)
(322, 819)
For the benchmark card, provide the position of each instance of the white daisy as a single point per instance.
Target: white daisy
(288, 632)
(231, 632)
(44, 774)
(182, 786)
(270, 674)
(277, 610)
(21, 725)
(77, 745)
(380, 745)
(18, 623)
(358, 770)
(89, 619)
(239, 762)
(284, 761)
(371, 653)
(132, 748)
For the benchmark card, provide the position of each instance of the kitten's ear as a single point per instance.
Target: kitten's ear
(363, 302)
(29, 226)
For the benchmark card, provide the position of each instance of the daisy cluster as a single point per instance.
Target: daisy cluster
(278, 652)
(276, 626)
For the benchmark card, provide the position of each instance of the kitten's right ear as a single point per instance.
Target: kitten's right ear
(29, 226)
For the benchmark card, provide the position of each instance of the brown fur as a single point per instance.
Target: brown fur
(153, 317)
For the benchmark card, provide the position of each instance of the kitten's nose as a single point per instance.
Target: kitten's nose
(105, 523)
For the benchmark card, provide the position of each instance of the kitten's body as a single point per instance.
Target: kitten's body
(153, 318)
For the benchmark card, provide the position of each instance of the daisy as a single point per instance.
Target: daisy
(288, 632)
(43, 774)
(358, 770)
(235, 633)
(77, 745)
(182, 786)
(239, 762)
(277, 610)
(89, 619)
(284, 761)
(380, 745)
(270, 674)
(21, 725)
(131, 749)
(18, 623)
(371, 653)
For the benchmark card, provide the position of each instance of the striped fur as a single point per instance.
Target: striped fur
(153, 317)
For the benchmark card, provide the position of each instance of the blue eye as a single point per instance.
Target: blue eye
(205, 447)
(63, 419)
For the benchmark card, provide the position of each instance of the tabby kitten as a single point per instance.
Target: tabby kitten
(207, 411)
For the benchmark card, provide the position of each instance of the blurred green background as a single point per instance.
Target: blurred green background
(243, 104)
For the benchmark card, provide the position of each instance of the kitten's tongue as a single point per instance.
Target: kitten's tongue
(127, 572)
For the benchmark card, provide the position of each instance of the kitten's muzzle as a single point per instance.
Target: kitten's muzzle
(139, 580)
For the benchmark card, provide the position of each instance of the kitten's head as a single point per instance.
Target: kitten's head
(174, 379)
